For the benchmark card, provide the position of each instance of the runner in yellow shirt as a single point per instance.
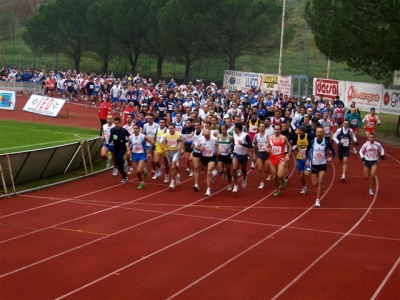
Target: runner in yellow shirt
(173, 143)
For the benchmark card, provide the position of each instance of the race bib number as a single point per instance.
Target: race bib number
(91, 86)
(354, 122)
(208, 152)
(339, 115)
(223, 149)
(262, 147)
(326, 130)
(115, 137)
(172, 143)
(137, 149)
(318, 155)
(345, 142)
(303, 152)
(371, 124)
(276, 150)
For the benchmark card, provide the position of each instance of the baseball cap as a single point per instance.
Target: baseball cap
(302, 128)
(372, 109)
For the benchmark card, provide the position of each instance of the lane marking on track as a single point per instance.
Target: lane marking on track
(254, 245)
(79, 231)
(385, 279)
(331, 247)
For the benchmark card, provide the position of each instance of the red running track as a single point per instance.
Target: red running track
(97, 239)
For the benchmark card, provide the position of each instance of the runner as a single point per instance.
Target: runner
(343, 137)
(242, 143)
(355, 122)
(188, 132)
(224, 157)
(119, 136)
(260, 145)
(195, 155)
(159, 152)
(137, 142)
(108, 147)
(277, 158)
(172, 144)
(252, 129)
(300, 144)
(370, 122)
(369, 157)
(150, 129)
(318, 160)
(208, 147)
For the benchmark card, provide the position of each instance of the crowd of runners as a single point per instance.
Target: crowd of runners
(205, 128)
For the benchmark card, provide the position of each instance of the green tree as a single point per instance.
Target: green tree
(100, 32)
(182, 39)
(362, 33)
(129, 27)
(154, 39)
(234, 28)
(60, 27)
(5, 25)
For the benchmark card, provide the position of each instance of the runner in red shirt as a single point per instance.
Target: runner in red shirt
(128, 111)
(370, 121)
(277, 158)
(104, 111)
(50, 85)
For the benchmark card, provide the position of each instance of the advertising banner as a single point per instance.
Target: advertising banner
(391, 102)
(243, 81)
(43, 105)
(7, 100)
(329, 88)
(364, 95)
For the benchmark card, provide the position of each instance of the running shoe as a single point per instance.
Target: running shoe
(239, 173)
(283, 185)
(317, 203)
(115, 172)
(277, 193)
(130, 171)
(166, 179)
(304, 190)
(141, 186)
(124, 180)
(187, 170)
(191, 173)
(354, 151)
(343, 178)
(261, 186)
(208, 193)
(172, 185)
(154, 177)
(235, 188)
(371, 192)
(196, 187)
(229, 188)
(269, 178)
(244, 182)
(253, 166)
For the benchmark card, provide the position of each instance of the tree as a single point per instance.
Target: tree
(129, 27)
(5, 25)
(100, 32)
(154, 39)
(235, 28)
(182, 39)
(362, 33)
(60, 27)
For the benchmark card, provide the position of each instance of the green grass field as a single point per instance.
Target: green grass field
(22, 136)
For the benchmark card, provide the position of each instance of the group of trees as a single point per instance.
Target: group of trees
(363, 33)
(180, 29)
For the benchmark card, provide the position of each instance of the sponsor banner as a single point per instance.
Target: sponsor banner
(390, 103)
(7, 100)
(329, 88)
(364, 95)
(243, 81)
(20, 86)
(43, 105)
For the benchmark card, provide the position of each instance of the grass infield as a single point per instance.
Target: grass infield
(21, 136)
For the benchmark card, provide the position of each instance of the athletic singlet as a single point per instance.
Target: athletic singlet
(277, 147)
(262, 141)
(172, 141)
(159, 133)
(318, 153)
(137, 143)
(106, 131)
(195, 138)
(302, 144)
(224, 145)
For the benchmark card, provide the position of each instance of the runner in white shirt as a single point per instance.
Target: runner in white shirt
(260, 145)
(369, 157)
(150, 129)
(129, 127)
(108, 147)
(208, 147)
(115, 91)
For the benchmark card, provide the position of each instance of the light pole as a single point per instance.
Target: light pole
(282, 31)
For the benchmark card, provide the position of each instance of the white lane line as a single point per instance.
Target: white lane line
(385, 279)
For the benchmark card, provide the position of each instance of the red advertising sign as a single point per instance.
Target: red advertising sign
(327, 88)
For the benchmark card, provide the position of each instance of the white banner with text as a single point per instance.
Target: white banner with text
(391, 102)
(45, 106)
